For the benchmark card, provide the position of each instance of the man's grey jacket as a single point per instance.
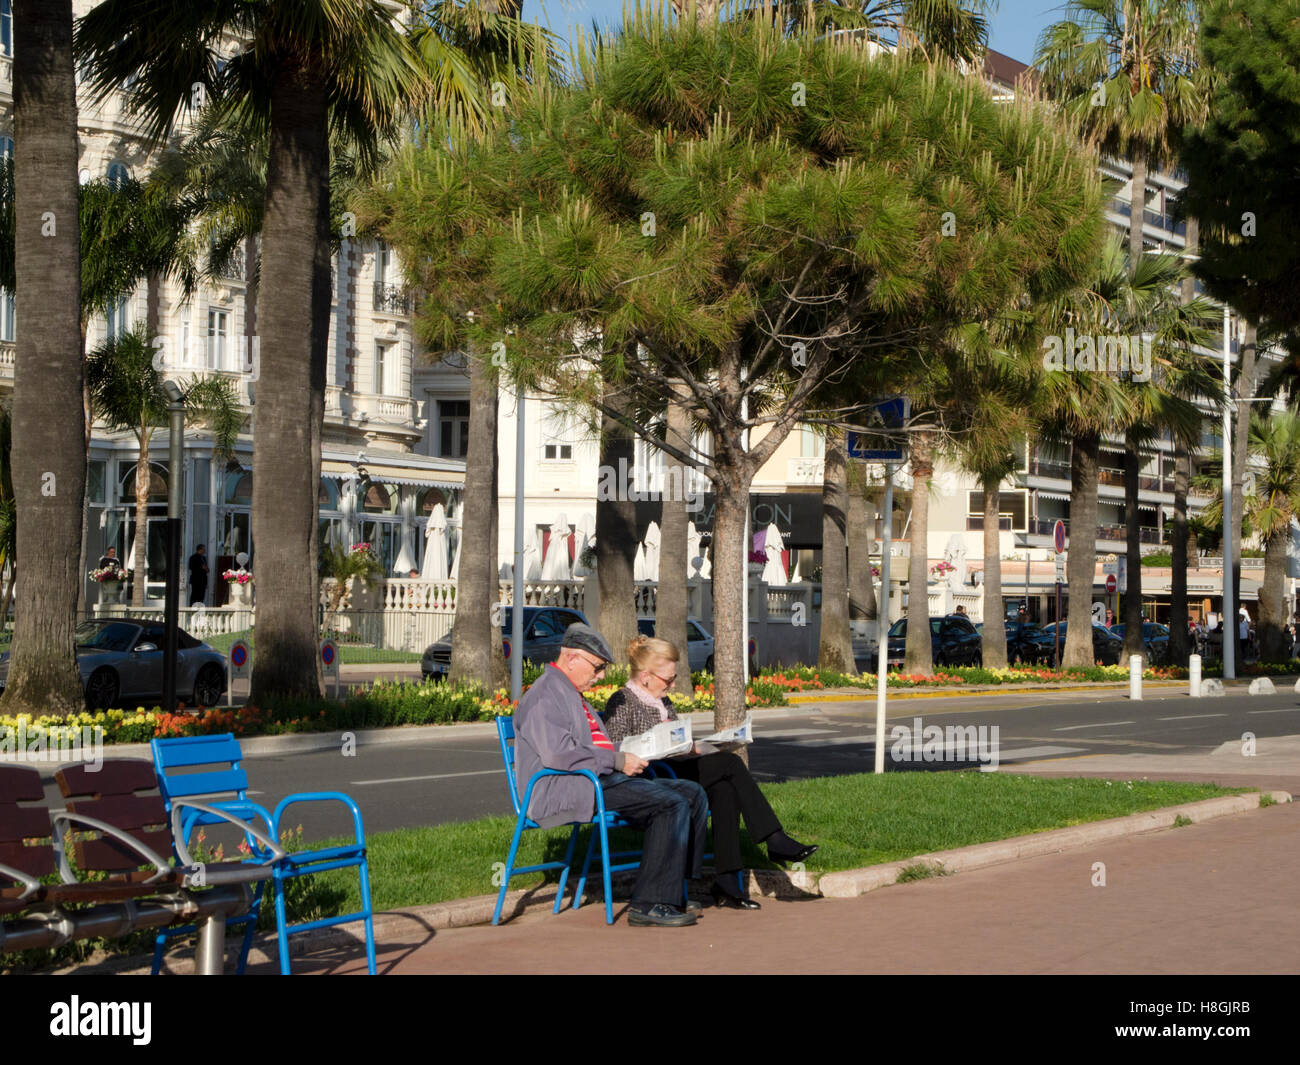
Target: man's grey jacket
(551, 732)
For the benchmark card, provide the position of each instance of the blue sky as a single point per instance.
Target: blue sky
(1013, 30)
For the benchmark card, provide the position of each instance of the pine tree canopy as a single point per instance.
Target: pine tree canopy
(763, 217)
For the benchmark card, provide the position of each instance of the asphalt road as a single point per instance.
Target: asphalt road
(450, 777)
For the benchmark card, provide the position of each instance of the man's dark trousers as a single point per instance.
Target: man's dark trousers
(675, 817)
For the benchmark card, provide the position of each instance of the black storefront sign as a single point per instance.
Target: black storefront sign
(797, 515)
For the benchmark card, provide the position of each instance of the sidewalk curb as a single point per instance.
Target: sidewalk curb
(851, 883)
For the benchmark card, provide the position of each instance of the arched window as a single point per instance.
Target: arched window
(157, 483)
(239, 487)
(378, 499)
(118, 175)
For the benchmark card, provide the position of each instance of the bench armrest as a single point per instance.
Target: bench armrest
(30, 884)
(532, 783)
(62, 817)
(182, 851)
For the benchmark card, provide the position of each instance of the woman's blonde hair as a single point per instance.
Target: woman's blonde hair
(645, 649)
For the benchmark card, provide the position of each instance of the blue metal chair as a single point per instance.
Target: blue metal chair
(224, 750)
(602, 819)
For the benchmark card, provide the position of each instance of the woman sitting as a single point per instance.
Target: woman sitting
(642, 704)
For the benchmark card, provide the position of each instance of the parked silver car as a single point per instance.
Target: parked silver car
(699, 643)
(121, 662)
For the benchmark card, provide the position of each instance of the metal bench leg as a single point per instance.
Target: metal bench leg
(369, 919)
(210, 959)
(282, 925)
(586, 865)
(605, 857)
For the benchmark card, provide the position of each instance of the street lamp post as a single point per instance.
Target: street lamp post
(1228, 625)
(175, 500)
(517, 626)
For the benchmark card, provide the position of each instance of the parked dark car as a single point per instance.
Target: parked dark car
(543, 630)
(1026, 642)
(121, 661)
(1107, 648)
(1155, 638)
(954, 641)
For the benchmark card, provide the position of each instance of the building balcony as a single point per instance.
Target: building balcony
(1049, 468)
(1115, 533)
(8, 349)
(391, 299)
(805, 471)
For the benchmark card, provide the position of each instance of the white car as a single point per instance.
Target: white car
(699, 643)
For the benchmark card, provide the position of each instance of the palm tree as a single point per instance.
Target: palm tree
(1275, 438)
(305, 67)
(1149, 304)
(49, 460)
(835, 650)
(1126, 70)
(126, 395)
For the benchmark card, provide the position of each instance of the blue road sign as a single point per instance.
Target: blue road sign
(505, 646)
(1058, 536)
(888, 418)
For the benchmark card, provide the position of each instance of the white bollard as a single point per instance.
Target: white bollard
(1194, 675)
(1135, 676)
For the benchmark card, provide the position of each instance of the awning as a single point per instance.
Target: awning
(1043, 493)
(389, 474)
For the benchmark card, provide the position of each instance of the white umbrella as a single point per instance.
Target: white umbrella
(692, 548)
(532, 565)
(585, 531)
(405, 561)
(652, 552)
(638, 565)
(130, 555)
(555, 566)
(773, 571)
(348, 510)
(435, 546)
(795, 576)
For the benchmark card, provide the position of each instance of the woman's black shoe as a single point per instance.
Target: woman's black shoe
(781, 848)
(728, 899)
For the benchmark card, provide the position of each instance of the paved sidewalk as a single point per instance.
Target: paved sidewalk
(1217, 897)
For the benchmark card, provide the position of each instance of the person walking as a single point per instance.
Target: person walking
(198, 575)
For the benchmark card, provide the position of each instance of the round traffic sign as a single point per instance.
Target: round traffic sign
(1058, 536)
(1110, 582)
(505, 646)
(753, 647)
(239, 655)
(328, 653)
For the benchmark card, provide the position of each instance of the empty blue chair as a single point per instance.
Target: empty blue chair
(602, 819)
(230, 779)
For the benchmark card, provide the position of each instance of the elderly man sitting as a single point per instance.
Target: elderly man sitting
(555, 728)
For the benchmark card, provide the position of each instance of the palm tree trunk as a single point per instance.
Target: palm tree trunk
(920, 658)
(1137, 204)
(730, 554)
(1081, 565)
(1274, 646)
(835, 649)
(140, 557)
(1133, 643)
(500, 670)
(994, 632)
(1179, 641)
(862, 597)
(1241, 440)
(321, 311)
(284, 495)
(477, 585)
(1179, 617)
(49, 460)
(616, 535)
(670, 603)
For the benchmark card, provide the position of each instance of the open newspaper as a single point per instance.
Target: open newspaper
(730, 738)
(666, 739)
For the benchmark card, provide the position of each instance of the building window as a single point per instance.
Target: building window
(381, 263)
(453, 428)
(557, 452)
(116, 323)
(388, 369)
(216, 340)
(7, 326)
(118, 175)
(6, 147)
(1012, 511)
(6, 27)
(557, 440)
(812, 445)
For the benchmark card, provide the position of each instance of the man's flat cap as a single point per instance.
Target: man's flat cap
(585, 638)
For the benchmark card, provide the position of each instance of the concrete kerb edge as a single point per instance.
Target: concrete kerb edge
(851, 883)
